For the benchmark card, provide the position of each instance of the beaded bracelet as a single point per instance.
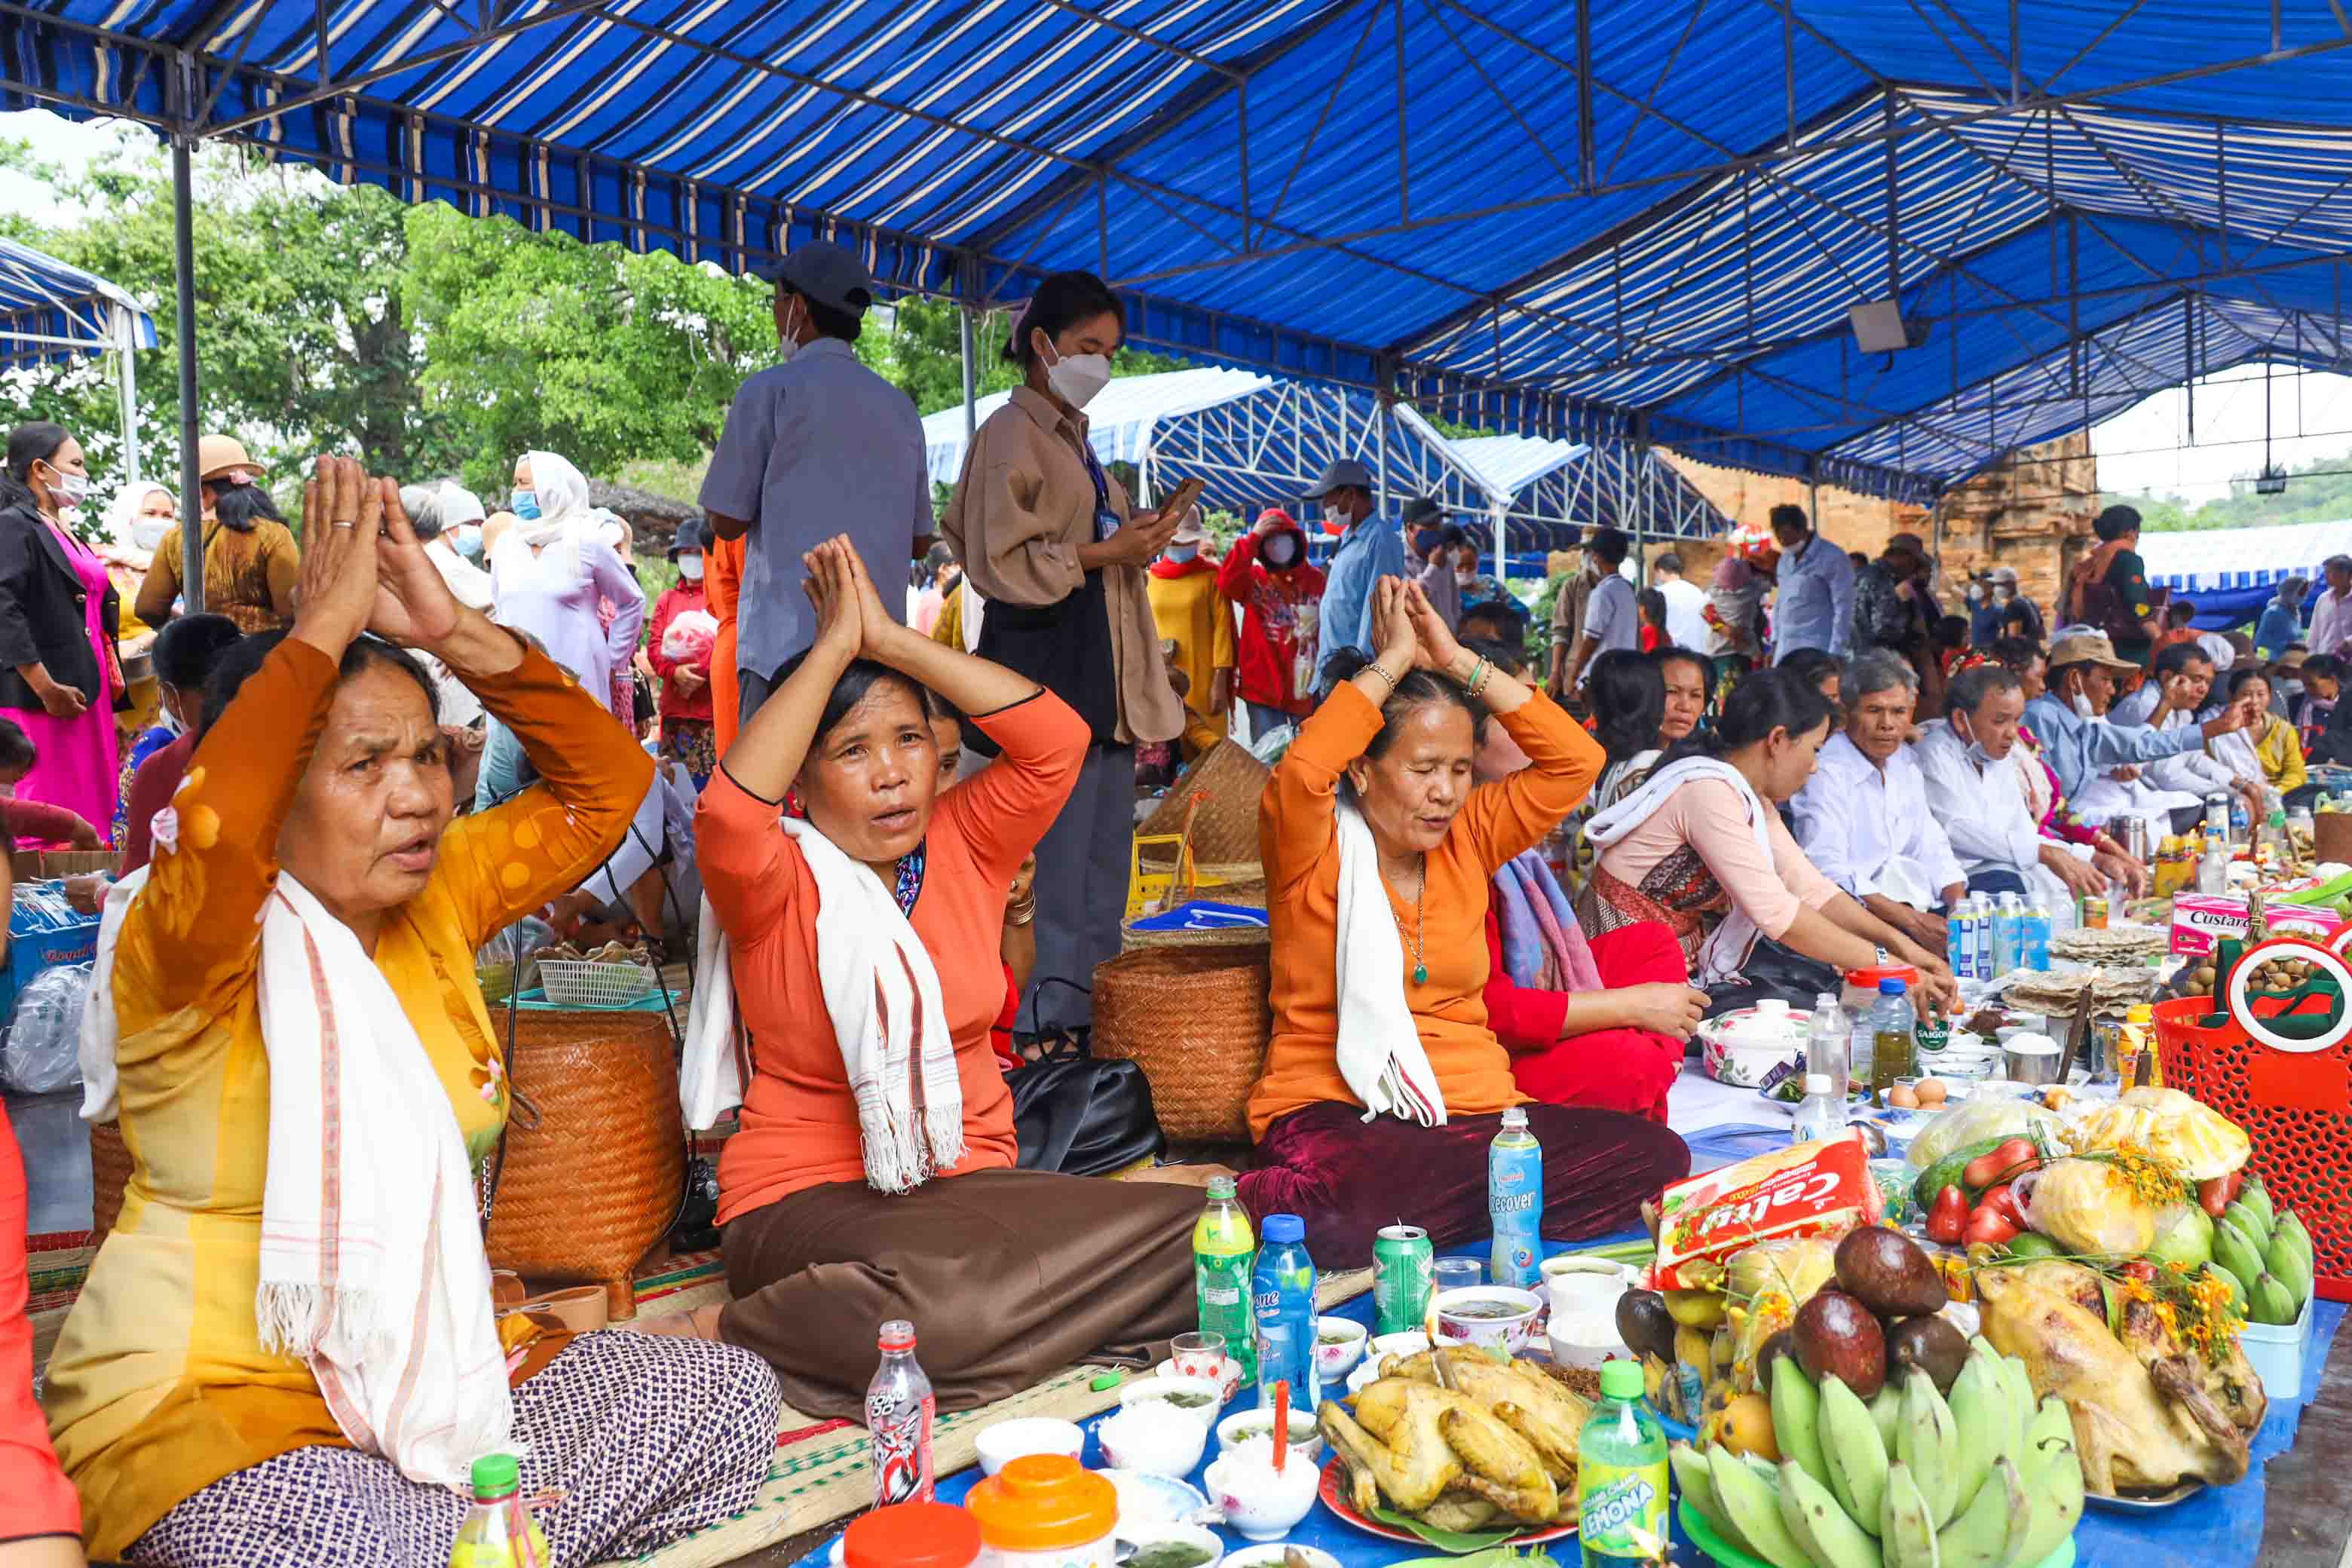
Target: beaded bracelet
(1478, 674)
(1384, 675)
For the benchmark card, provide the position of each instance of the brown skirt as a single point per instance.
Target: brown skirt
(1008, 1277)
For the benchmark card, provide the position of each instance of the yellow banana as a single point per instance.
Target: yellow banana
(1852, 1452)
(1929, 1443)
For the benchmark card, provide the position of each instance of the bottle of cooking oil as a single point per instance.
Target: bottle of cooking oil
(1893, 1049)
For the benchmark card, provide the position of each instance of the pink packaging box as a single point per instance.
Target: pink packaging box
(2200, 921)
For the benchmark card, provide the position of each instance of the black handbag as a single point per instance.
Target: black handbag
(1082, 1117)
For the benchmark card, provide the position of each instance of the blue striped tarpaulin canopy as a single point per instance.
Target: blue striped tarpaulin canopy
(49, 310)
(1576, 219)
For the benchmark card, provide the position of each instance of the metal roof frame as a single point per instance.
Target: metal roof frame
(1917, 148)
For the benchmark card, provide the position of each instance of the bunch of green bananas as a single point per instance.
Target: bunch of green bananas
(2266, 1257)
(1986, 1479)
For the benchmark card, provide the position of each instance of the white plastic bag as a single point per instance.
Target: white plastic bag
(1985, 1117)
(42, 1052)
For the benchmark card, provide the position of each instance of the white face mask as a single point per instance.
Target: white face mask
(149, 533)
(689, 568)
(2082, 706)
(1465, 579)
(70, 489)
(1075, 378)
(1181, 553)
(1280, 551)
(789, 346)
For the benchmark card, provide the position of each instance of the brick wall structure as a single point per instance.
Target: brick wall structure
(2031, 514)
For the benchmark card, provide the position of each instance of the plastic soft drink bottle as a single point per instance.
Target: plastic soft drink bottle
(1829, 1045)
(1515, 1184)
(499, 1532)
(1282, 1295)
(898, 1413)
(2035, 946)
(2007, 933)
(1222, 1249)
(1621, 1475)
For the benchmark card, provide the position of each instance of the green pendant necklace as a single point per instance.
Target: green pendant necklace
(1420, 887)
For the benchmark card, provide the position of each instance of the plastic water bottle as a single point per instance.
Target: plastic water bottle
(1829, 1048)
(499, 1532)
(1822, 1114)
(1956, 940)
(2239, 824)
(899, 1411)
(1515, 1184)
(2036, 944)
(2008, 934)
(1282, 1295)
(1980, 937)
(1222, 1249)
(1621, 1475)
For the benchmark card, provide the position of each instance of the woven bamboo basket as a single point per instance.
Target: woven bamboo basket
(595, 1185)
(109, 1172)
(1225, 830)
(1196, 1020)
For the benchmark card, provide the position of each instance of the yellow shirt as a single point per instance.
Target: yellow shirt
(159, 1386)
(1190, 613)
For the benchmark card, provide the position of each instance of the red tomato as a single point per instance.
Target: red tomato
(2213, 1195)
(2011, 1159)
(2002, 1201)
(1948, 1217)
(2237, 1180)
(1991, 1227)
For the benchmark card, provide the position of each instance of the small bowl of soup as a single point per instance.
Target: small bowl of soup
(1171, 1546)
(1498, 1315)
(1258, 1426)
(1338, 1346)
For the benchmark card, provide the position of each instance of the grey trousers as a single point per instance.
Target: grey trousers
(1082, 865)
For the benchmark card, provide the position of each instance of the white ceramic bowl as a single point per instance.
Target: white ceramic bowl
(1507, 1331)
(1336, 1358)
(1271, 1556)
(1163, 1441)
(1306, 1439)
(1008, 1440)
(1581, 1285)
(1256, 1498)
(1149, 1390)
(1582, 1340)
(1191, 1534)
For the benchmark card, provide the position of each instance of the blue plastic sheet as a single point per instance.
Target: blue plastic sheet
(2220, 1528)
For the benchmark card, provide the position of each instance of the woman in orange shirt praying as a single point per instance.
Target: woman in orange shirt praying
(1378, 851)
(874, 1176)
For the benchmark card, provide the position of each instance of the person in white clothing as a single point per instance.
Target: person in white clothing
(2331, 612)
(2173, 696)
(1968, 764)
(1862, 818)
(1685, 603)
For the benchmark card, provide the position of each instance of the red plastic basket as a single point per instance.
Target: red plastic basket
(2298, 1108)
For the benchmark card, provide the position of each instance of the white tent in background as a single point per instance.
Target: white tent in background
(50, 311)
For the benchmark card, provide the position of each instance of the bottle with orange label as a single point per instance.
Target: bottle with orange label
(2135, 1048)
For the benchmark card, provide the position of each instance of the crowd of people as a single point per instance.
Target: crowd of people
(900, 832)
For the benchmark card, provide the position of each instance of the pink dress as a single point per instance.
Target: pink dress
(76, 767)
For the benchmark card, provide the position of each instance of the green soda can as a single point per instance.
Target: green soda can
(1620, 1474)
(1401, 1260)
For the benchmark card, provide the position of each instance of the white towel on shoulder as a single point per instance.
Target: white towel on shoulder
(372, 1272)
(1379, 1047)
(882, 996)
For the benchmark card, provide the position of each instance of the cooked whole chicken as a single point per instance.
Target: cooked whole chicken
(2147, 1416)
(1495, 1443)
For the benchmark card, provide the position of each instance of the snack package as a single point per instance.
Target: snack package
(1807, 1189)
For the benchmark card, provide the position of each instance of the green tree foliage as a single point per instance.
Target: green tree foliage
(2316, 491)
(540, 342)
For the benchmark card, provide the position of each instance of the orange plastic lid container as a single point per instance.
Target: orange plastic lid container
(1868, 979)
(913, 1535)
(1042, 1501)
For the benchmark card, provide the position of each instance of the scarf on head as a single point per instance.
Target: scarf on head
(1728, 946)
(1543, 947)
(1379, 1049)
(882, 996)
(372, 1268)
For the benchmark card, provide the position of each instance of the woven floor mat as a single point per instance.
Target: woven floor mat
(821, 1473)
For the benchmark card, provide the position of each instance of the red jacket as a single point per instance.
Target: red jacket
(1270, 601)
(676, 702)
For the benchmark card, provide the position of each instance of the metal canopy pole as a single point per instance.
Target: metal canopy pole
(184, 286)
(126, 338)
(970, 378)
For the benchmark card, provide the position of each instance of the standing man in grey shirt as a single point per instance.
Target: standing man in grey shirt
(815, 447)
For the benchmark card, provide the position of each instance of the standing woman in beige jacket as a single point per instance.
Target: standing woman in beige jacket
(1051, 541)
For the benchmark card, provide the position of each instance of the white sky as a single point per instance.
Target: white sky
(2144, 450)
